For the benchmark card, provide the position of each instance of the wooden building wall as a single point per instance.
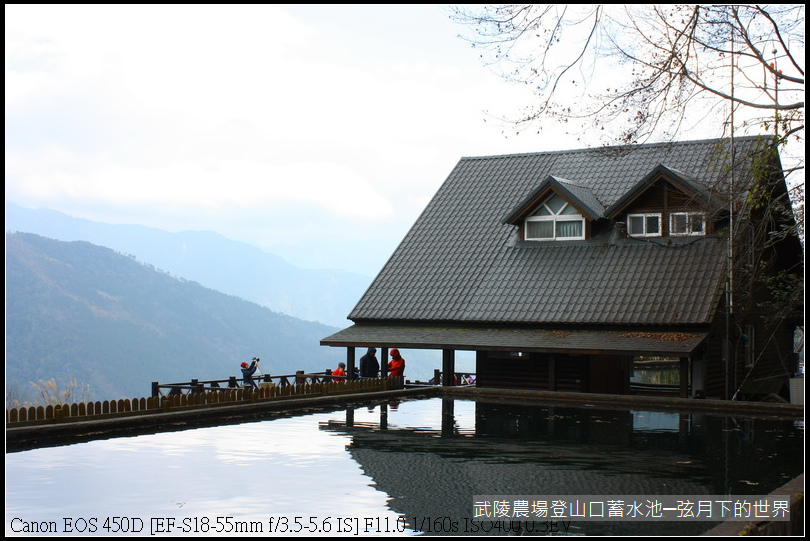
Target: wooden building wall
(772, 354)
(571, 373)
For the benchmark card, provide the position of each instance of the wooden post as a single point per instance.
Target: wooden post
(384, 362)
(448, 367)
(684, 377)
(437, 377)
(155, 388)
(349, 363)
(480, 360)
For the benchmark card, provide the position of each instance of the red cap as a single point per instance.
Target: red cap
(244, 365)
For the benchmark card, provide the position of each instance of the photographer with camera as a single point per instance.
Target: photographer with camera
(248, 371)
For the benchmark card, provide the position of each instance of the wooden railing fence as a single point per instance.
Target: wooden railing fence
(208, 397)
(216, 385)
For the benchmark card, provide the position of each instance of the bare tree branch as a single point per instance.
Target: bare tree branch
(672, 54)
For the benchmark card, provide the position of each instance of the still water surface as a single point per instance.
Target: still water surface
(390, 468)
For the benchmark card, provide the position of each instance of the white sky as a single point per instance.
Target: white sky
(317, 133)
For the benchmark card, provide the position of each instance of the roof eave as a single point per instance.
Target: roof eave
(668, 341)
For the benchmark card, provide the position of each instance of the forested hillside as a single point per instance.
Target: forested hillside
(216, 262)
(81, 310)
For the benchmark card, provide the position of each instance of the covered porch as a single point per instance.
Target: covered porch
(574, 360)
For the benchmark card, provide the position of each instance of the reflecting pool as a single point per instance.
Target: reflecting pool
(393, 468)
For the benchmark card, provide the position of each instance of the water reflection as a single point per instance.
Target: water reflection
(512, 449)
(406, 461)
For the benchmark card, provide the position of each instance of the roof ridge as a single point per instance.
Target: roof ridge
(608, 148)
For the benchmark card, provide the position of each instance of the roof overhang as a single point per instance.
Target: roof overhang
(571, 342)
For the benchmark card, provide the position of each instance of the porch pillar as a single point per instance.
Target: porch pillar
(349, 362)
(480, 359)
(683, 377)
(384, 362)
(448, 367)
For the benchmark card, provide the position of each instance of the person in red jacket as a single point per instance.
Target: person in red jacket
(339, 373)
(396, 367)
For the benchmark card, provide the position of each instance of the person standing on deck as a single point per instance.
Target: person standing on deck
(339, 373)
(248, 371)
(369, 365)
(396, 367)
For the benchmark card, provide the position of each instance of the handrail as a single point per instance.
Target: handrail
(198, 386)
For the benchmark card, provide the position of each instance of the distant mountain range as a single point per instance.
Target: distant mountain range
(120, 306)
(232, 267)
(81, 310)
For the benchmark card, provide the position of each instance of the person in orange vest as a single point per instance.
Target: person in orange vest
(396, 367)
(339, 373)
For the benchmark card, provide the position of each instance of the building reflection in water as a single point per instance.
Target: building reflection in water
(517, 448)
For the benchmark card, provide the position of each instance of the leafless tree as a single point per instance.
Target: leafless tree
(633, 73)
(645, 71)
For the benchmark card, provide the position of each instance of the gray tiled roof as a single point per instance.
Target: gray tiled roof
(461, 263)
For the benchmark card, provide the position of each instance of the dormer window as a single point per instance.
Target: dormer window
(644, 225)
(687, 224)
(555, 219)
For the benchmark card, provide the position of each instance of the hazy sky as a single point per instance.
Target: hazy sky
(317, 133)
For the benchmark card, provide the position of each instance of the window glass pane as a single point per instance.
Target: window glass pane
(569, 229)
(555, 203)
(540, 229)
(678, 224)
(653, 225)
(696, 223)
(569, 210)
(635, 225)
(542, 211)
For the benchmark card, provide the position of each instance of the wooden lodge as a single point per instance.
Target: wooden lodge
(563, 271)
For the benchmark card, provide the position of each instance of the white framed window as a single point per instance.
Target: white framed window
(687, 224)
(644, 225)
(555, 219)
